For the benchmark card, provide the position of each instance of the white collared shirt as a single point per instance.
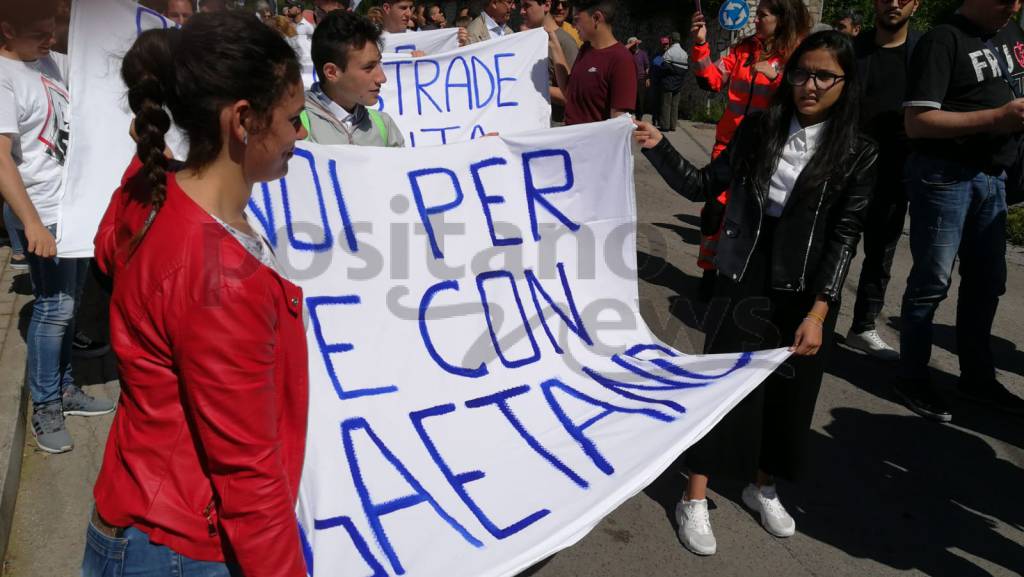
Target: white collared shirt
(345, 117)
(796, 154)
(496, 30)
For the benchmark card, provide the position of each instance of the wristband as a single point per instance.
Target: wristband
(815, 319)
(816, 316)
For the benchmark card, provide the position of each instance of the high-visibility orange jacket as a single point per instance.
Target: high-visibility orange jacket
(749, 91)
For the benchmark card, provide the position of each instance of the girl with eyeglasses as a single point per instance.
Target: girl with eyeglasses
(750, 73)
(799, 177)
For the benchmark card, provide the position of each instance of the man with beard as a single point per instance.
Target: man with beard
(883, 54)
(964, 115)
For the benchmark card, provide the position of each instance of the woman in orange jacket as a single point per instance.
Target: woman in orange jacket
(751, 71)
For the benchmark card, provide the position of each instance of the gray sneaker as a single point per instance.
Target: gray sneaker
(78, 403)
(49, 430)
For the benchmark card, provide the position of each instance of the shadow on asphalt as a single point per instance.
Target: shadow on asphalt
(21, 284)
(863, 372)
(1007, 356)
(688, 235)
(882, 490)
(658, 271)
(690, 219)
(905, 492)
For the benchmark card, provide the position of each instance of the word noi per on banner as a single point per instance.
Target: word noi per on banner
(512, 412)
(477, 89)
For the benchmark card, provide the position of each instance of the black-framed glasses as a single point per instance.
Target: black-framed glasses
(823, 79)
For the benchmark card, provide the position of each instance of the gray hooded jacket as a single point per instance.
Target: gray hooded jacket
(325, 128)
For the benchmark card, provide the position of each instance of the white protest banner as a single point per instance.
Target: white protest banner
(483, 389)
(500, 85)
(496, 86)
(100, 149)
(428, 41)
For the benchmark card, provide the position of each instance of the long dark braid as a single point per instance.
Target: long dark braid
(148, 71)
(215, 60)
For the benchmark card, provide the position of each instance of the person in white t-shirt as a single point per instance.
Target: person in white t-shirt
(34, 131)
(293, 10)
(303, 39)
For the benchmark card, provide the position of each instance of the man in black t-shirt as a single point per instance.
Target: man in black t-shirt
(883, 56)
(964, 117)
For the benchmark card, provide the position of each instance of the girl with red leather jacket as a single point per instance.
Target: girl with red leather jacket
(202, 465)
(800, 177)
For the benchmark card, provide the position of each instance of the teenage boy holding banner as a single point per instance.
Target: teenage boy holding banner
(346, 54)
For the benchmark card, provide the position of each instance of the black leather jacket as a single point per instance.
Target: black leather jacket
(819, 229)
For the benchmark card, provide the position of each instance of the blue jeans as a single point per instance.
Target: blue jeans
(954, 211)
(13, 225)
(133, 555)
(56, 284)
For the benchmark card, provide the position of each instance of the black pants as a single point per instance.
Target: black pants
(882, 232)
(641, 99)
(768, 429)
(670, 109)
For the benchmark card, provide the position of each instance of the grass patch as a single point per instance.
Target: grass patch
(709, 113)
(1015, 226)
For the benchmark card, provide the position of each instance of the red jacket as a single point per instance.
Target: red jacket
(748, 90)
(206, 449)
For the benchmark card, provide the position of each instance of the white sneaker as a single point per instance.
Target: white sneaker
(871, 343)
(774, 517)
(695, 527)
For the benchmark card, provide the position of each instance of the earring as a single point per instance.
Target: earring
(245, 138)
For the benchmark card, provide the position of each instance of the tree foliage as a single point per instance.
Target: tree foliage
(930, 13)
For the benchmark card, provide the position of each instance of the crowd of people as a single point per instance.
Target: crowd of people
(827, 137)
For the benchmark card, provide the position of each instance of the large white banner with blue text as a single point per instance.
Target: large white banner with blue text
(426, 41)
(483, 388)
(497, 86)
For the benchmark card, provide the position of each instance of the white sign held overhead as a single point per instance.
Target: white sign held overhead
(431, 42)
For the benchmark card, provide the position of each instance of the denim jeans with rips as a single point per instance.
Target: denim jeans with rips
(56, 284)
(954, 211)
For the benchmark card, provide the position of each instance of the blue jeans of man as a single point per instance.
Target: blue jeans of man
(134, 555)
(56, 284)
(954, 211)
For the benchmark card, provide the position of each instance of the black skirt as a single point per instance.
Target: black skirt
(768, 430)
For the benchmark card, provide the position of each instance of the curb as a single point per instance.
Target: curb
(13, 407)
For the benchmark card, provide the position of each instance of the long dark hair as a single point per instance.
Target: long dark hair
(760, 156)
(21, 13)
(793, 23)
(214, 60)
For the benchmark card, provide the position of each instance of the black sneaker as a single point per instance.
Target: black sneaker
(991, 393)
(919, 396)
(85, 348)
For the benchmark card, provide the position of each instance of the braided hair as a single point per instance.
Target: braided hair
(189, 75)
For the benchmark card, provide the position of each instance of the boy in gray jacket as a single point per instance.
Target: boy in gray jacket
(346, 54)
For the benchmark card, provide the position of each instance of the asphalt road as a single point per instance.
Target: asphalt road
(890, 493)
